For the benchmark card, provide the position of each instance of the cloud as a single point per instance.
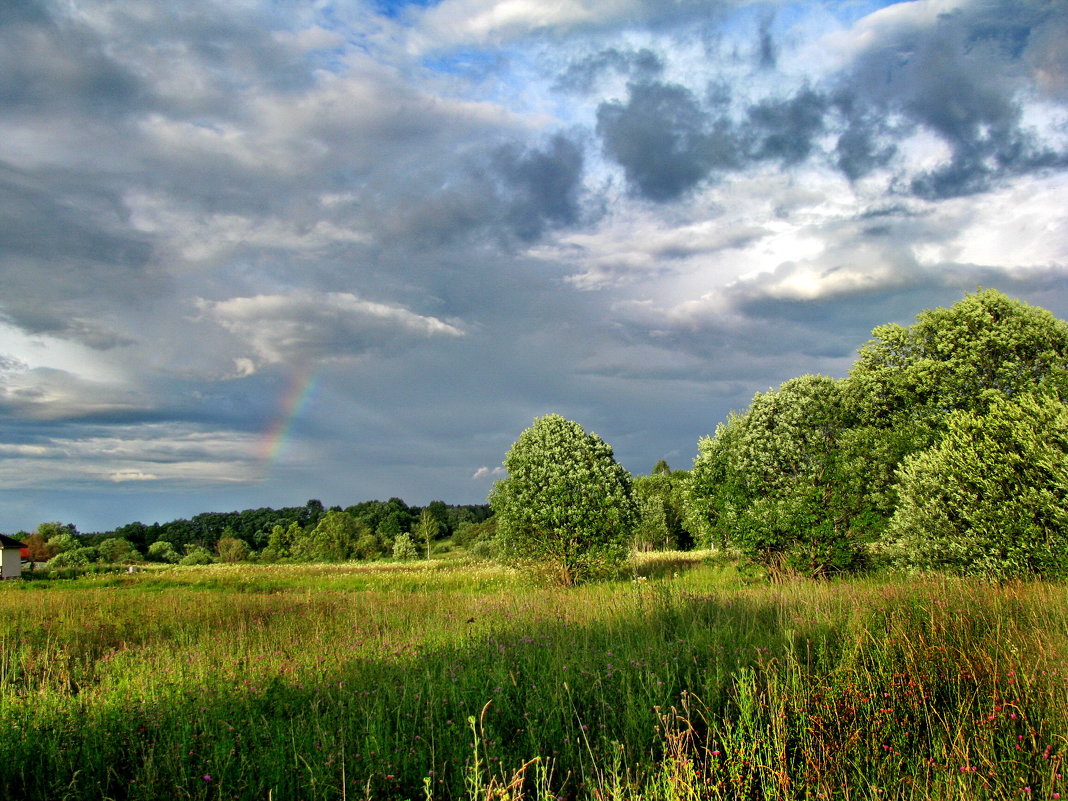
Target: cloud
(785, 129)
(582, 75)
(541, 186)
(960, 75)
(50, 394)
(663, 139)
(304, 326)
(486, 472)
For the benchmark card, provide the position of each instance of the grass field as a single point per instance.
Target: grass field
(464, 681)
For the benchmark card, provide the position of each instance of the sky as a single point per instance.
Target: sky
(254, 253)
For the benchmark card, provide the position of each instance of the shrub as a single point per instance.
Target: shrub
(118, 550)
(75, 557)
(991, 498)
(163, 551)
(232, 549)
(404, 548)
(196, 555)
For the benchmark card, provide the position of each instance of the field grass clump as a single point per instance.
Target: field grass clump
(417, 681)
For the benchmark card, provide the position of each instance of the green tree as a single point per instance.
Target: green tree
(779, 483)
(196, 555)
(59, 543)
(75, 557)
(404, 548)
(426, 529)
(232, 549)
(281, 541)
(948, 359)
(661, 510)
(991, 498)
(333, 540)
(566, 507)
(118, 550)
(163, 551)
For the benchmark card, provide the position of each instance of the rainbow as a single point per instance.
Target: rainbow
(298, 393)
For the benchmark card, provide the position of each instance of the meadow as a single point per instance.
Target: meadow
(687, 679)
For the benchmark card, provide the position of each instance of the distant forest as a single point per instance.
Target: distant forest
(386, 519)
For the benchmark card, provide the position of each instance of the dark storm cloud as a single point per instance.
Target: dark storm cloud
(785, 129)
(865, 144)
(541, 186)
(639, 65)
(664, 140)
(45, 63)
(668, 142)
(65, 242)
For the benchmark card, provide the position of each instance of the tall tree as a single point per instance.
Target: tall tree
(779, 483)
(566, 507)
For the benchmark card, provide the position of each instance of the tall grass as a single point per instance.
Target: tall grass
(327, 682)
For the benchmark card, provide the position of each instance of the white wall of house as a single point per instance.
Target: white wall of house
(10, 563)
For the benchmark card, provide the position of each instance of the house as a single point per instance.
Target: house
(10, 557)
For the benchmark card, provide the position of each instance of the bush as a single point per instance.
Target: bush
(232, 549)
(75, 557)
(404, 548)
(991, 498)
(163, 551)
(118, 550)
(196, 555)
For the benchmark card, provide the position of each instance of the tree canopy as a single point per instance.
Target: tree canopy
(566, 506)
(945, 440)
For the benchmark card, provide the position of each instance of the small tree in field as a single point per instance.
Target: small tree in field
(566, 508)
(403, 548)
(426, 529)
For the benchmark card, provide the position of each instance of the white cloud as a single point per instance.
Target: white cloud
(304, 325)
(486, 472)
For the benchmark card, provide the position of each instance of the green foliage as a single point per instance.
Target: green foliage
(991, 498)
(948, 359)
(566, 508)
(777, 483)
(75, 557)
(281, 542)
(715, 489)
(55, 529)
(334, 539)
(809, 476)
(118, 550)
(59, 542)
(404, 548)
(196, 555)
(426, 529)
(163, 551)
(661, 509)
(232, 549)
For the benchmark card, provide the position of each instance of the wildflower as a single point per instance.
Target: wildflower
(207, 777)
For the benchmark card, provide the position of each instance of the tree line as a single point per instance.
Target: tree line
(366, 530)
